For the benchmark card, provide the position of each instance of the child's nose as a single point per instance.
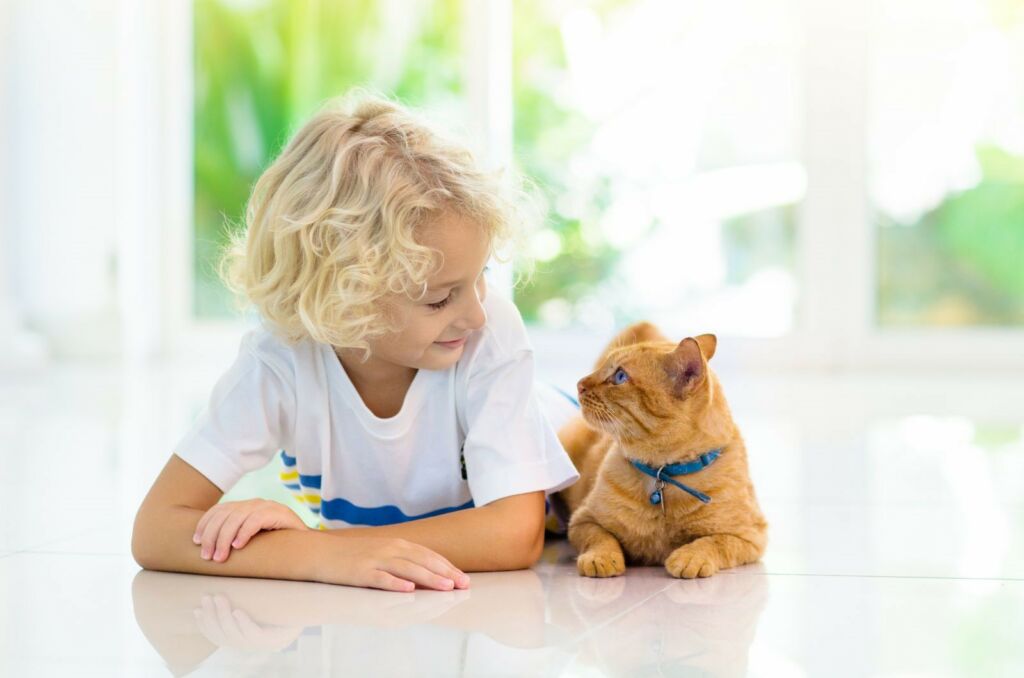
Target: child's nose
(475, 316)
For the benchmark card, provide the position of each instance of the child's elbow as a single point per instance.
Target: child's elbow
(536, 548)
(139, 550)
(143, 549)
(521, 522)
(142, 557)
(529, 545)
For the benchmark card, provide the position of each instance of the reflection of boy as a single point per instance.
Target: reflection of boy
(355, 631)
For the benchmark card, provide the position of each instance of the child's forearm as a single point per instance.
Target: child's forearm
(507, 534)
(162, 540)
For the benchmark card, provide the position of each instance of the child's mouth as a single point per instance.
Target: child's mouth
(452, 344)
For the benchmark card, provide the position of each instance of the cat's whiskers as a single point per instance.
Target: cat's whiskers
(597, 414)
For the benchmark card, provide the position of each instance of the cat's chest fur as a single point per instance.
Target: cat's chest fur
(647, 532)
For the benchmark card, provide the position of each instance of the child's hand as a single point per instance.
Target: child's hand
(233, 523)
(386, 563)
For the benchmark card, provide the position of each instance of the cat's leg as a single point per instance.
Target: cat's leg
(705, 556)
(600, 552)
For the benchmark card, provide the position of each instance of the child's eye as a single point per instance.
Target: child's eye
(620, 377)
(437, 306)
(441, 304)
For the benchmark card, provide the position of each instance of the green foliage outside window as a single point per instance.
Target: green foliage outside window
(962, 263)
(262, 69)
(547, 133)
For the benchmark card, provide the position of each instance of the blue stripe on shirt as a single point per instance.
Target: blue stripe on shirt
(309, 481)
(305, 481)
(342, 509)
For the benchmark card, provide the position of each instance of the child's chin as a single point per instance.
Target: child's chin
(442, 357)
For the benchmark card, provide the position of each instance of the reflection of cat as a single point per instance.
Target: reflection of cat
(654, 418)
(700, 627)
(645, 625)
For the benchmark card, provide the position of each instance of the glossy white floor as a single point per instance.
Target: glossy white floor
(897, 548)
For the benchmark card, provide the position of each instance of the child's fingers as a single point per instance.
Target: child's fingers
(389, 582)
(208, 540)
(438, 564)
(250, 527)
(210, 520)
(201, 525)
(227, 534)
(414, 572)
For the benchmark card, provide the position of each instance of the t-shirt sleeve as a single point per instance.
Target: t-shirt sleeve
(247, 420)
(510, 446)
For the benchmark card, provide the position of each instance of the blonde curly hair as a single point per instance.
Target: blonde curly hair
(330, 227)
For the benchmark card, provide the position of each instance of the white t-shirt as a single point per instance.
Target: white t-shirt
(354, 468)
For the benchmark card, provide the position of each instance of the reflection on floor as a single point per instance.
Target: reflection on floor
(896, 547)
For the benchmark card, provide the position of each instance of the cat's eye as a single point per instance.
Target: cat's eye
(620, 377)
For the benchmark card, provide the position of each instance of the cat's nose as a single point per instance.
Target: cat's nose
(581, 385)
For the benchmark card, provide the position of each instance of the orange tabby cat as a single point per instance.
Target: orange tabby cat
(658, 404)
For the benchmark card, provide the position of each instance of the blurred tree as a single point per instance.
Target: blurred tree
(262, 68)
(962, 263)
(548, 134)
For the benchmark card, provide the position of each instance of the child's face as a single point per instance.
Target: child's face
(453, 305)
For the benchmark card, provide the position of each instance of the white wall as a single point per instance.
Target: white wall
(17, 345)
(59, 205)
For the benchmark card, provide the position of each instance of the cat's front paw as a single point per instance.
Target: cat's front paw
(691, 561)
(600, 564)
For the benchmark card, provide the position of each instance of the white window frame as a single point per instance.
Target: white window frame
(835, 325)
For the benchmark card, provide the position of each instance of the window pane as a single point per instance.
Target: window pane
(664, 134)
(947, 162)
(262, 67)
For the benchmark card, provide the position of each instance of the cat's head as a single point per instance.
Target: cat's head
(641, 391)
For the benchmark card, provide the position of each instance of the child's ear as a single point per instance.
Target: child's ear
(685, 366)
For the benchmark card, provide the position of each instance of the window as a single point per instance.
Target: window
(947, 163)
(819, 183)
(262, 68)
(664, 135)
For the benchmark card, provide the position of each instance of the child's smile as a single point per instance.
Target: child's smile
(436, 327)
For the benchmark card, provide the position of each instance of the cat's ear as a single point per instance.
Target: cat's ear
(707, 343)
(685, 366)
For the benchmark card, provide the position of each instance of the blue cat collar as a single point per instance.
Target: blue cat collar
(665, 473)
